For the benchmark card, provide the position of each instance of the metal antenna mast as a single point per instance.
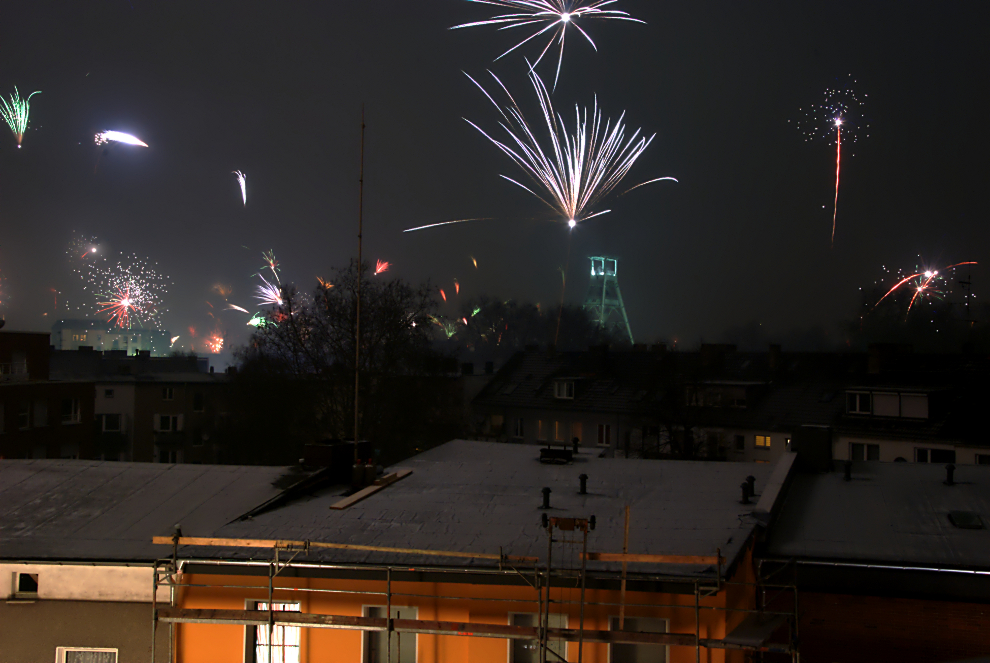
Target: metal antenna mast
(360, 274)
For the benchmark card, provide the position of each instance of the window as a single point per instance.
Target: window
(70, 411)
(559, 431)
(739, 442)
(864, 451)
(625, 653)
(563, 389)
(168, 393)
(24, 414)
(604, 435)
(858, 403)
(981, 459)
(25, 585)
(403, 645)
(762, 441)
(40, 413)
(934, 455)
(168, 423)
(85, 655)
(528, 651)
(519, 429)
(199, 402)
(541, 430)
(108, 393)
(169, 456)
(111, 423)
(577, 431)
(285, 640)
(1, 418)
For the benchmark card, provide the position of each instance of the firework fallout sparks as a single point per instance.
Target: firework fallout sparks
(550, 17)
(381, 267)
(271, 263)
(269, 293)
(924, 284)
(242, 181)
(580, 168)
(838, 116)
(234, 307)
(129, 291)
(15, 113)
(119, 137)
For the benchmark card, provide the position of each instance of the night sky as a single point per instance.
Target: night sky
(275, 89)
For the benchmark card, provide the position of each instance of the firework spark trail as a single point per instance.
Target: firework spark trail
(443, 294)
(922, 283)
(839, 114)
(242, 181)
(381, 267)
(457, 287)
(271, 263)
(120, 307)
(446, 223)
(129, 291)
(553, 16)
(119, 137)
(234, 307)
(15, 113)
(269, 293)
(580, 168)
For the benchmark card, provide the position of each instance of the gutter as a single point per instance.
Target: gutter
(875, 567)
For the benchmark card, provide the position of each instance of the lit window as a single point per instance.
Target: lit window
(285, 640)
(541, 430)
(762, 441)
(564, 389)
(559, 429)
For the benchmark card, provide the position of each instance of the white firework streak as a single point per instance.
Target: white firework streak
(119, 137)
(269, 293)
(549, 16)
(242, 180)
(582, 167)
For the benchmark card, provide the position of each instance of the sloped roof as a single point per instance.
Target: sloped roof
(889, 513)
(93, 510)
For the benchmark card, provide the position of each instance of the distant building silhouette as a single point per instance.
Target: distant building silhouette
(71, 334)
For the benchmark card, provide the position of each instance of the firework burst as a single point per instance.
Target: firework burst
(381, 267)
(242, 181)
(119, 137)
(922, 284)
(129, 292)
(838, 117)
(15, 113)
(269, 293)
(271, 263)
(550, 17)
(579, 169)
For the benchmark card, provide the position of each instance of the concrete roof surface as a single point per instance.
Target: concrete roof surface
(485, 497)
(889, 513)
(94, 510)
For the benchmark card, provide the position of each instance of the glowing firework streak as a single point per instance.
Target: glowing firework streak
(381, 267)
(326, 285)
(475, 262)
(923, 284)
(580, 168)
(269, 293)
(457, 287)
(550, 16)
(174, 339)
(119, 137)
(271, 263)
(242, 180)
(443, 294)
(447, 223)
(232, 307)
(120, 307)
(838, 112)
(15, 113)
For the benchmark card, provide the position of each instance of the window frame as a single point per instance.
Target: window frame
(767, 442)
(365, 636)
(120, 423)
(17, 593)
(250, 632)
(519, 428)
(604, 432)
(60, 652)
(75, 411)
(563, 390)
(562, 622)
(168, 393)
(858, 396)
(613, 620)
(201, 405)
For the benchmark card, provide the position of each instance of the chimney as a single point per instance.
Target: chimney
(546, 498)
(751, 480)
(745, 492)
(847, 471)
(584, 484)
(950, 470)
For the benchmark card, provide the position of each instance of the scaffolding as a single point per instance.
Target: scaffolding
(753, 634)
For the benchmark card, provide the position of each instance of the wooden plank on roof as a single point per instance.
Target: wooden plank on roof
(631, 558)
(386, 480)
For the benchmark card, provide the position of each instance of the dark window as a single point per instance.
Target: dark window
(111, 423)
(983, 459)
(199, 403)
(638, 653)
(864, 451)
(108, 393)
(168, 393)
(24, 414)
(27, 583)
(90, 656)
(943, 455)
(70, 411)
(740, 442)
(859, 403)
(921, 455)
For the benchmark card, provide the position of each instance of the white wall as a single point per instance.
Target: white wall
(84, 582)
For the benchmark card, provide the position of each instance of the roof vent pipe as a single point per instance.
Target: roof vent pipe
(950, 469)
(848, 469)
(546, 498)
(584, 484)
(751, 480)
(745, 492)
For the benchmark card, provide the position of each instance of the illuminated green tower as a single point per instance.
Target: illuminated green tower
(604, 300)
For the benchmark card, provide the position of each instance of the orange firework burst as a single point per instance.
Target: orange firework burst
(381, 267)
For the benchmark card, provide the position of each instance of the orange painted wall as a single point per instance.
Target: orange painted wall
(208, 643)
